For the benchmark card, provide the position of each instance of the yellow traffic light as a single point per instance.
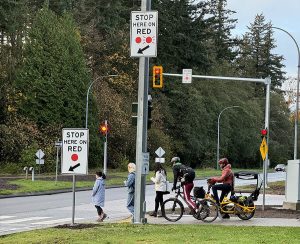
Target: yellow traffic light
(157, 77)
(104, 129)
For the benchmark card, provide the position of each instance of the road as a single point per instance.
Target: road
(27, 213)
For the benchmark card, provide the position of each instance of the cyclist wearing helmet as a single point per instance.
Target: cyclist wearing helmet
(186, 176)
(226, 179)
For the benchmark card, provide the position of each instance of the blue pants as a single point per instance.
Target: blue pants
(130, 202)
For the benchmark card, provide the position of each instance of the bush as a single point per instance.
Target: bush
(12, 168)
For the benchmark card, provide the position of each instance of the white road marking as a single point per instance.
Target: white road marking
(6, 217)
(22, 220)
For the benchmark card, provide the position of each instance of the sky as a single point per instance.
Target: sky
(284, 14)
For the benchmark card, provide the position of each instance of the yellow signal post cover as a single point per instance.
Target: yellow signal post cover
(157, 80)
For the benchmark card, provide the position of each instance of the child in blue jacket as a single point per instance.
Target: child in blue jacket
(98, 195)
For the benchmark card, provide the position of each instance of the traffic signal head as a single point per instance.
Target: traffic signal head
(264, 132)
(104, 129)
(157, 77)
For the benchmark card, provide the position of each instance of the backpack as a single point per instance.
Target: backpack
(188, 174)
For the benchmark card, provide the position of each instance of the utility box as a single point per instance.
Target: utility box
(292, 185)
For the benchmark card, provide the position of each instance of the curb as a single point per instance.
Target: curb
(30, 194)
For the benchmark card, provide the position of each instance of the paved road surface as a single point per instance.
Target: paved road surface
(26, 213)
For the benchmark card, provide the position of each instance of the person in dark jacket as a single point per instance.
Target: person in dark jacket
(186, 176)
(98, 195)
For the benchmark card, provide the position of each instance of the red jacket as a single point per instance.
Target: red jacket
(226, 177)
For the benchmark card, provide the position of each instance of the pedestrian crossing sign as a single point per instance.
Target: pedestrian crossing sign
(263, 148)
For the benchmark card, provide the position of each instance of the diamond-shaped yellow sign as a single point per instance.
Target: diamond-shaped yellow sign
(263, 148)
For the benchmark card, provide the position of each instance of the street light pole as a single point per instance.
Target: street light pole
(218, 144)
(297, 95)
(87, 97)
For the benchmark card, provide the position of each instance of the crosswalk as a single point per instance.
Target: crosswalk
(11, 223)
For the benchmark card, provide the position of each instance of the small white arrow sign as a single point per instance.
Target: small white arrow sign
(40, 154)
(160, 152)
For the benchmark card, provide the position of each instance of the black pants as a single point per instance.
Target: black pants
(158, 200)
(99, 210)
(225, 188)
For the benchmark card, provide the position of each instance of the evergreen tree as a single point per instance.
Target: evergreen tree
(255, 55)
(54, 77)
(221, 25)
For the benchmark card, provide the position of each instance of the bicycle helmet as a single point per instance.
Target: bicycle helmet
(175, 160)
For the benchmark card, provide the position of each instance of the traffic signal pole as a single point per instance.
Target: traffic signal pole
(267, 83)
(105, 151)
(141, 136)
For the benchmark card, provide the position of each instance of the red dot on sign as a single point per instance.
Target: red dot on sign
(149, 39)
(74, 157)
(138, 40)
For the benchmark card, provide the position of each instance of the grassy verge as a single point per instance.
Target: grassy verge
(128, 233)
(114, 178)
(28, 186)
(275, 188)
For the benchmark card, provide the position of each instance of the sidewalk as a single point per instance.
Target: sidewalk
(233, 221)
(257, 220)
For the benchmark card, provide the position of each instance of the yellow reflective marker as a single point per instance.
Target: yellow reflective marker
(263, 148)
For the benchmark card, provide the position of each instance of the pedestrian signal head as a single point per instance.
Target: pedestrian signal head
(264, 132)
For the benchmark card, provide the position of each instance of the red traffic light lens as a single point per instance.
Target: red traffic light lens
(157, 71)
(264, 132)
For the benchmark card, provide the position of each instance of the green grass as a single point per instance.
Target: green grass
(42, 185)
(276, 188)
(129, 233)
(115, 178)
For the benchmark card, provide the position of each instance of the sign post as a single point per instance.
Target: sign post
(40, 154)
(74, 158)
(58, 145)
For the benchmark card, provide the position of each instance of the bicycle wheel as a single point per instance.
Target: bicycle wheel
(249, 214)
(208, 211)
(173, 209)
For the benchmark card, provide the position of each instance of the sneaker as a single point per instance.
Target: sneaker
(104, 216)
(99, 220)
(153, 214)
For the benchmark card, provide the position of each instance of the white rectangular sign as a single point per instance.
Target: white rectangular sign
(145, 165)
(187, 76)
(75, 151)
(40, 161)
(143, 34)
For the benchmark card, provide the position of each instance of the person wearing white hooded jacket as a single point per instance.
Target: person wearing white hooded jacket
(160, 181)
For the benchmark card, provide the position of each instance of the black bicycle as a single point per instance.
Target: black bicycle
(174, 209)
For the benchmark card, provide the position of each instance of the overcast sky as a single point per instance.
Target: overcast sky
(284, 14)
